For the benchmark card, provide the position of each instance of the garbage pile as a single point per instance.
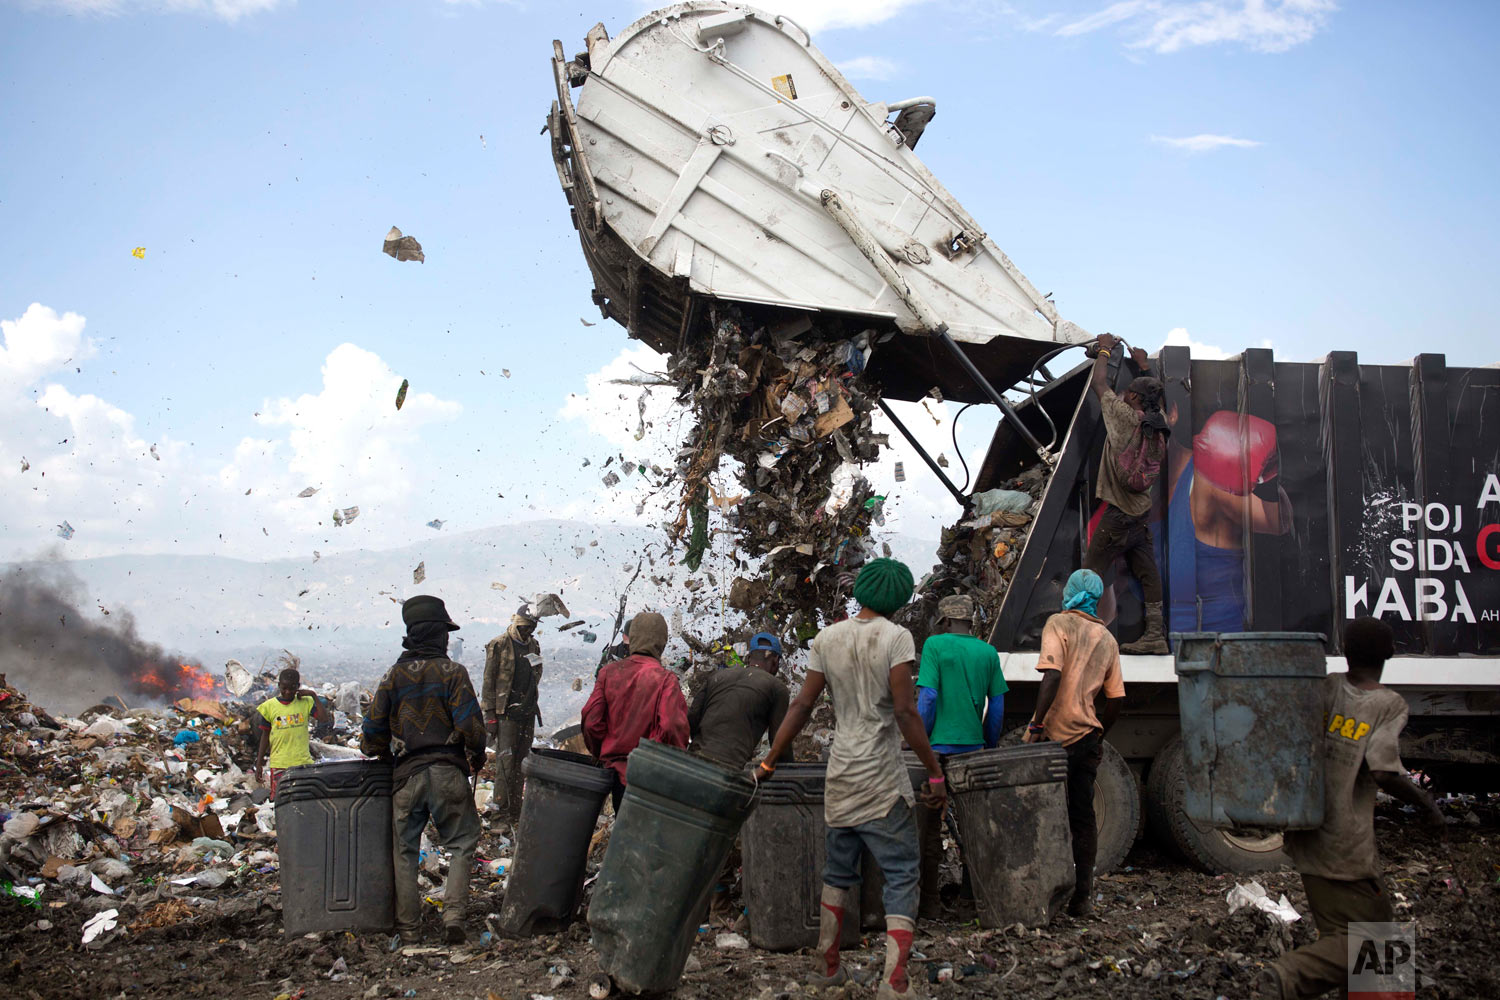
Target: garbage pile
(143, 817)
(979, 552)
(784, 401)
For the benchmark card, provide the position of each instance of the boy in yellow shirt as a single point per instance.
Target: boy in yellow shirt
(284, 727)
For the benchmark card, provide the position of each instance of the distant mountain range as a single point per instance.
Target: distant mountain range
(340, 613)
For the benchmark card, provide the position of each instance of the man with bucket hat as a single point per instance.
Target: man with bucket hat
(425, 719)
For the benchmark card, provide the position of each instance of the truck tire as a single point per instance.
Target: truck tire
(1217, 852)
(1117, 805)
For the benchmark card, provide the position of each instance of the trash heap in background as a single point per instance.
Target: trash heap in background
(786, 404)
(143, 817)
(978, 553)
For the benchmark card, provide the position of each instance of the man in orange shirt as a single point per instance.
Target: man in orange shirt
(1079, 660)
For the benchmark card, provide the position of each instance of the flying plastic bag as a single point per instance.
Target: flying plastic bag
(548, 606)
(237, 680)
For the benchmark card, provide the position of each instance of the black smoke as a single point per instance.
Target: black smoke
(65, 660)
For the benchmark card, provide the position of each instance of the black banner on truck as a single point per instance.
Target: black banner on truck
(1295, 496)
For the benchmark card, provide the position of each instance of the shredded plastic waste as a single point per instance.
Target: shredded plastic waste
(401, 393)
(403, 247)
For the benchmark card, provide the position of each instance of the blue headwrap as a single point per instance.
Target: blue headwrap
(1083, 592)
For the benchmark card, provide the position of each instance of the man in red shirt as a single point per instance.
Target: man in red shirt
(635, 699)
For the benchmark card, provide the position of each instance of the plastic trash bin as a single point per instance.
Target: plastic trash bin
(784, 840)
(564, 793)
(1012, 809)
(1251, 708)
(333, 835)
(676, 825)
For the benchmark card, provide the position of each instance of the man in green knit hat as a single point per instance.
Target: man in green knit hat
(865, 662)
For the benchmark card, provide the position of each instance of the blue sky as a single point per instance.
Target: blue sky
(259, 150)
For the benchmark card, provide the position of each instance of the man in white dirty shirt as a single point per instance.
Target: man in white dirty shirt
(865, 662)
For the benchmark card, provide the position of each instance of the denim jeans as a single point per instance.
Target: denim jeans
(893, 842)
(442, 794)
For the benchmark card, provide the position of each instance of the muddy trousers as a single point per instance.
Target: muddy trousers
(892, 839)
(1119, 534)
(512, 746)
(1316, 968)
(439, 793)
(1084, 757)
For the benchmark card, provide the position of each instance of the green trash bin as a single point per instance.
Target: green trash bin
(677, 823)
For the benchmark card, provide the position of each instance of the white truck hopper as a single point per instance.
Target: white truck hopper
(713, 152)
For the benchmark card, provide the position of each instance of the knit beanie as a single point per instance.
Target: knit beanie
(883, 586)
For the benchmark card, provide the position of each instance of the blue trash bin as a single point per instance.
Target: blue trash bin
(1251, 708)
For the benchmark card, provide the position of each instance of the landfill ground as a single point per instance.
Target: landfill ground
(1159, 930)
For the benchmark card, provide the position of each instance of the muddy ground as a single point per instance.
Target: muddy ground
(1160, 930)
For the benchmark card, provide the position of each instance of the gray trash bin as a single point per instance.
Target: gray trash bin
(333, 836)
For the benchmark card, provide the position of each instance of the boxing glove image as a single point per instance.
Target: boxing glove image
(1237, 461)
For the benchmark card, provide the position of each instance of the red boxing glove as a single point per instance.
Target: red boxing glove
(1223, 455)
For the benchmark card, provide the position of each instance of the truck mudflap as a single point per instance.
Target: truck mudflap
(1297, 495)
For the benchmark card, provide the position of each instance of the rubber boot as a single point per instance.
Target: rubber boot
(898, 935)
(831, 907)
(1153, 642)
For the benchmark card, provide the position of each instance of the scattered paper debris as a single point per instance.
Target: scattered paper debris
(420, 573)
(1253, 894)
(65, 531)
(139, 253)
(100, 923)
(497, 586)
(436, 524)
(310, 491)
(548, 606)
(154, 454)
(237, 680)
(586, 322)
(403, 247)
(505, 372)
(24, 464)
(344, 516)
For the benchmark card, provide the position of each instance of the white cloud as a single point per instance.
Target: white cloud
(869, 68)
(228, 10)
(76, 457)
(1167, 26)
(1179, 337)
(1205, 142)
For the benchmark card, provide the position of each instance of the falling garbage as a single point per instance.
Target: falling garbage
(310, 491)
(548, 606)
(420, 573)
(611, 480)
(403, 247)
(401, 393)
(237, 680)
(154, 454)
(139, 253)
(436, 524)
(586, 322)
(900, 472)
(344, 516)
(497, 586)
(65, 531)
(24, 464)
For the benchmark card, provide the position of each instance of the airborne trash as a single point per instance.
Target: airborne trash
(420, 573)
(548, 606)
(310, 491)
(585, 322)
(154, 454)
(237, 680)
(436, 524)
(344, 516)
(403, 247)
(65, 531)
(590, 638)
(505, 372)
(497, 586)
(1253, 894)
(900, 472)
(139, 253)
(401, 393)
(610, 479)
(571, 625)
(24, 464)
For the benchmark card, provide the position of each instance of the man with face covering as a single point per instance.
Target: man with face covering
(635, 699)
(512, 675)
(425, 719)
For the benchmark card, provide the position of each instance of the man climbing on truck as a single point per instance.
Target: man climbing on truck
(865, 664)
(1079, 660)
(1135, 446)
(1338, 862)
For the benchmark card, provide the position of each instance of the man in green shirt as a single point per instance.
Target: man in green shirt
(961, 698)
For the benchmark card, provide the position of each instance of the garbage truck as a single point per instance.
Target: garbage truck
(710, 153)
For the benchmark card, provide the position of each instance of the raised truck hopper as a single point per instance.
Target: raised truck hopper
(714, 153)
